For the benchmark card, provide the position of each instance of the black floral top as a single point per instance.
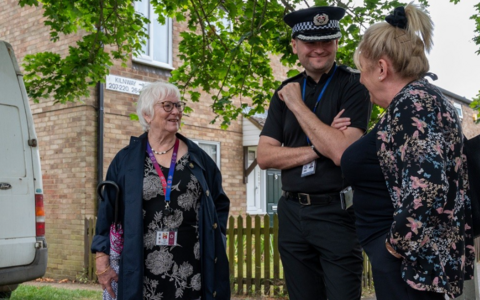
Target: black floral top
(171, 272)
(419, 146)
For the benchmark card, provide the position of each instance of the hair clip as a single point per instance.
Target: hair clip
(398, 18)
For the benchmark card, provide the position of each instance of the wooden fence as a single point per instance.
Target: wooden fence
(255, 265)
(89, 257)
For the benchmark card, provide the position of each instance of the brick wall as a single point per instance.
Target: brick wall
(469, 127)
(67, 139)
(67, 144)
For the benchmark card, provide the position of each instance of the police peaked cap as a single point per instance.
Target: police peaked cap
(316, 23)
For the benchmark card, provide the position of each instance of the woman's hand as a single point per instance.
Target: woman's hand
(391, 250)
(105, 273)
(339, 122)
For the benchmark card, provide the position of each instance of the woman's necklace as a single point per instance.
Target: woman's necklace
(163, 152)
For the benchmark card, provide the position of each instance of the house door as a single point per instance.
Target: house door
(274, 191)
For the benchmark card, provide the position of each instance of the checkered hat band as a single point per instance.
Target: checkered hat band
(319, 38)
(305, 26)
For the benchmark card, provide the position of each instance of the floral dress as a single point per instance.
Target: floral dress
(171, 272)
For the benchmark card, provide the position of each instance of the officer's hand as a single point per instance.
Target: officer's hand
(339, 122)
(291, 95)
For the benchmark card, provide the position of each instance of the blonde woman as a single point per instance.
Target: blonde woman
(413, 217)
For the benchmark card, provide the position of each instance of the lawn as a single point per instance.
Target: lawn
(27, 292)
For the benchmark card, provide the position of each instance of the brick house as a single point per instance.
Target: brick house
(76, 148)
(465, 112)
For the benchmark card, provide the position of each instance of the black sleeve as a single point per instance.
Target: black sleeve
(222, 203)
(106, 208)
(274, 124)
(356, 102)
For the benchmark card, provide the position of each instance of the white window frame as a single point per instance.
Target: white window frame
(217, 144)
(256, 187)
(148, 59)
(459, 109)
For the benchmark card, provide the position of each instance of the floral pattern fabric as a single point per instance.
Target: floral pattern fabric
(171, 272)
(419, 146)
(116, 247)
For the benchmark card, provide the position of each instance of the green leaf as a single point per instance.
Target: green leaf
(229, 62)
(134, 117)
(293, 72)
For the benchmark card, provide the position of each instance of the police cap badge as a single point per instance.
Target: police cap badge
(315, 23)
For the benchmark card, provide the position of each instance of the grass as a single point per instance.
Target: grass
(368, 292)
(30, 292)
(26, 292)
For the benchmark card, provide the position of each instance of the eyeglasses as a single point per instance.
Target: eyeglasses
(168, 105)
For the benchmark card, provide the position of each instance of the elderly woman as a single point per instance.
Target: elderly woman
(412, 214)
(172, 208)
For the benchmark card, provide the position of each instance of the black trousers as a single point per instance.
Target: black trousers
(320, 252)
(387, 275)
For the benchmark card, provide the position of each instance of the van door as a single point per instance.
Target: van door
(17, 188)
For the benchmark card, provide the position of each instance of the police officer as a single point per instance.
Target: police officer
(320, 252)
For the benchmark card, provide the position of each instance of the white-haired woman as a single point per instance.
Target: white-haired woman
(413, 217)
(172, 207)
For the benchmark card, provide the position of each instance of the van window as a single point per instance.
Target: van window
(12, 160)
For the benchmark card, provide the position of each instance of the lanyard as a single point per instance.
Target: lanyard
(321, 93)
(166, 184)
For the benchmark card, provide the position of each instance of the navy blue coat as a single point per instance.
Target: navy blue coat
(127, 171)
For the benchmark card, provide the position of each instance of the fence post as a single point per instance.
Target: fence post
(258, 258)
(89, 259)
(266, 254)
(86, 255)
(248, 253)
(240, 252)
(231, 250)
(276, 258)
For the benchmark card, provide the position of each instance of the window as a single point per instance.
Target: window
(212, 149)
(158, 48)
(458, 107)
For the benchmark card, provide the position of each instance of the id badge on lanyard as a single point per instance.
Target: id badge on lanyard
(309, 168)
(167, 238)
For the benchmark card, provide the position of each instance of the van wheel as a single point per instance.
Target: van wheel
(7, 290)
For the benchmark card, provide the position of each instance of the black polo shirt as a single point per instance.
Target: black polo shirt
(343, 92)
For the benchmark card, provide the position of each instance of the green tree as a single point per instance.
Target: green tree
(228, 61)
(476, 16)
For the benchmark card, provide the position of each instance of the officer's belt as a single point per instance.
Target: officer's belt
(312, 199)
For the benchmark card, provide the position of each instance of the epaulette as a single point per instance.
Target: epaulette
(348, 69)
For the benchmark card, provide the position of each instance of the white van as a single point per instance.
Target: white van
(23, 249)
